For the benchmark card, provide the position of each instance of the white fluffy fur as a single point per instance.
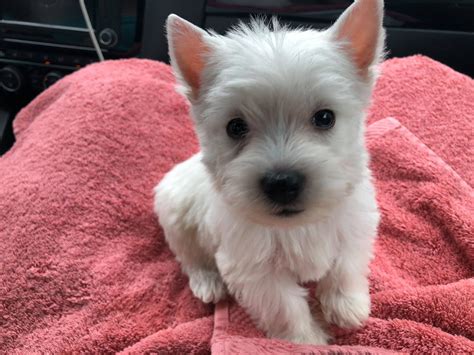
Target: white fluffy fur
(222, 230)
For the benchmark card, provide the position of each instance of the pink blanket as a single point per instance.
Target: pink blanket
(84, 266)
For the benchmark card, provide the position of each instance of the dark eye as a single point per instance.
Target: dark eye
(237, 128)
(324, 119)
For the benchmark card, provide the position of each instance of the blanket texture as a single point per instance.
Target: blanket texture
(84, 267)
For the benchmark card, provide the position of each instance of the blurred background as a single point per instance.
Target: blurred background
(41, 41)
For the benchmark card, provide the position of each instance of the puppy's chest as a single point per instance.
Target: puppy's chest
(307, 256)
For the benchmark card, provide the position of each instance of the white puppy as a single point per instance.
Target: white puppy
(281, 192)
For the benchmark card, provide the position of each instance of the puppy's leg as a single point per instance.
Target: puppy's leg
(344, 291)
(277, 304)
(181, 201)
(204, 279)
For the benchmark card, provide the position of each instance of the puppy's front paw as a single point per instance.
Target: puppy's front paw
(207, 285)
(345, 310)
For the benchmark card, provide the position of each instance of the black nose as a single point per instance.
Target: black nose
(282, 187)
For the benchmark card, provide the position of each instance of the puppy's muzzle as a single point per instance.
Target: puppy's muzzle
(282, 187)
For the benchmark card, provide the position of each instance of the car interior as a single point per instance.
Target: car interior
(190, 177)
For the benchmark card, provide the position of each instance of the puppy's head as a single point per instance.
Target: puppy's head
(279, 112)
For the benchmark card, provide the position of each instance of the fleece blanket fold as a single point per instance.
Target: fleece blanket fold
(84, 267)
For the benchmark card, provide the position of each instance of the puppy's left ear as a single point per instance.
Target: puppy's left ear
(188, 49)
(359, 29)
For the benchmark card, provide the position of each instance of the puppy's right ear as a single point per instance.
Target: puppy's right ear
(360, 30)
(188, 50)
